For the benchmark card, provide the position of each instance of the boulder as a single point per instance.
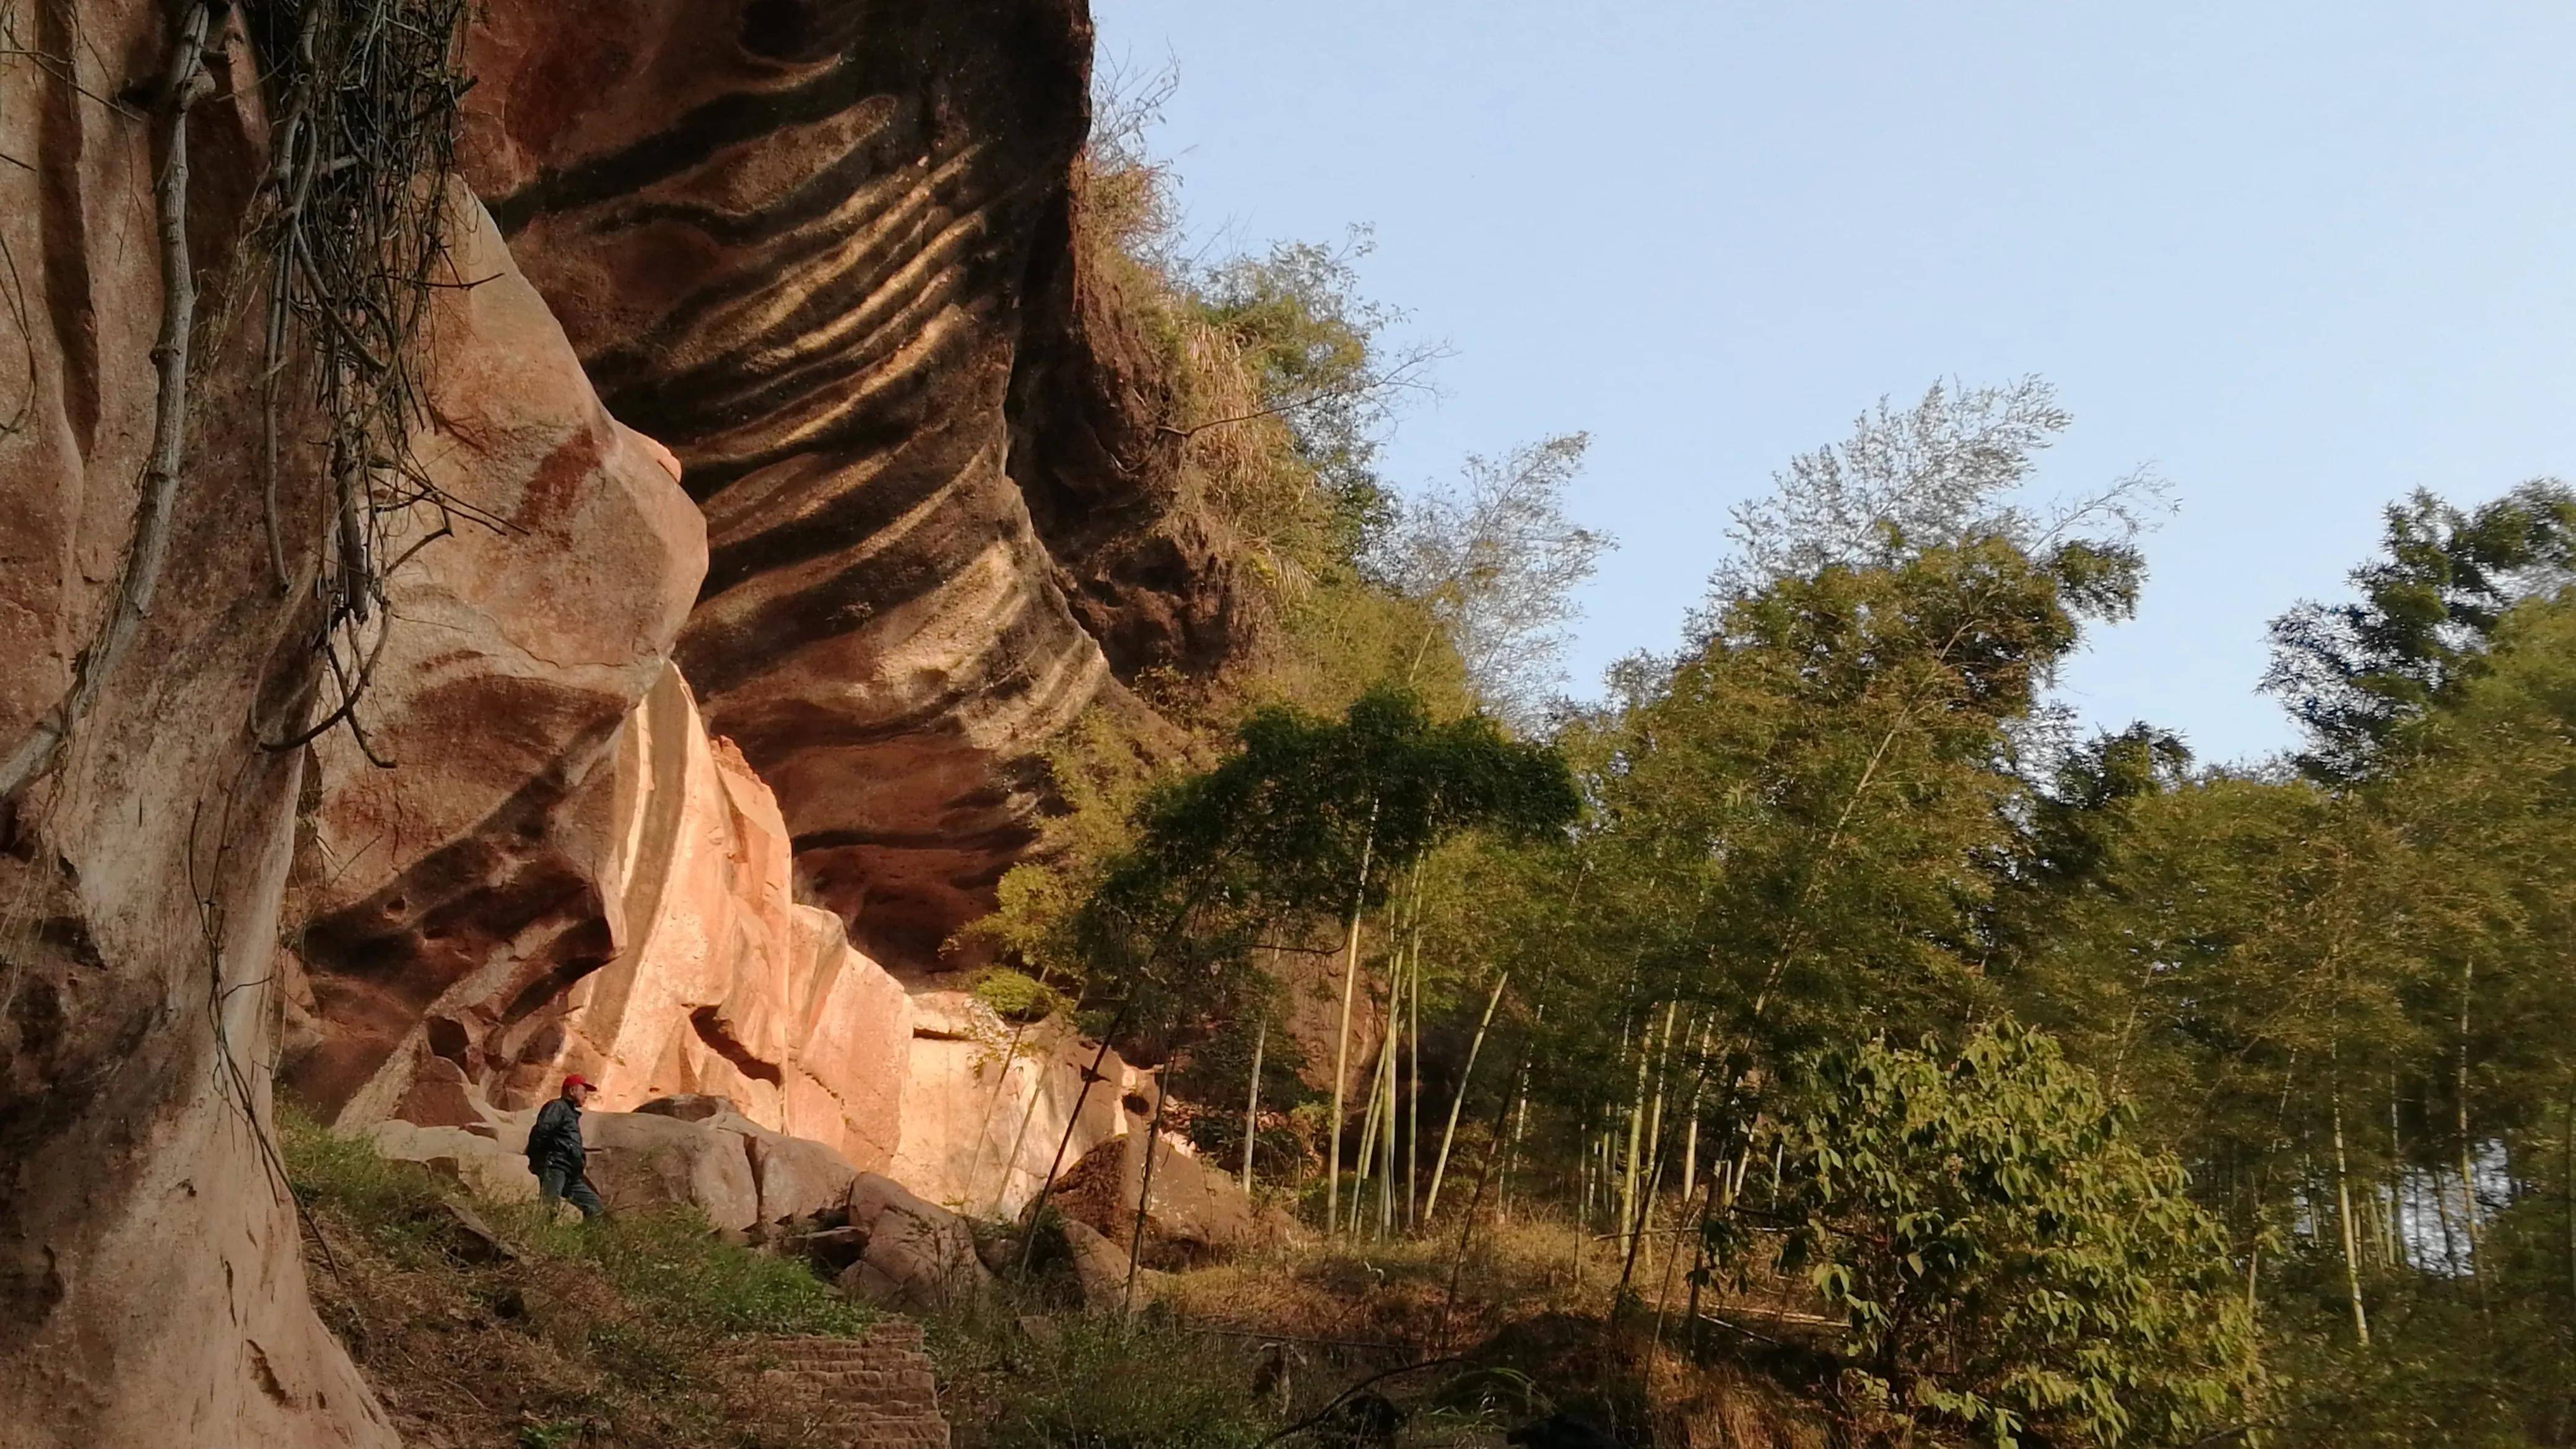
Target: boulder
(916, 1254)
(1100, 1269)
(797, 1178)
(793, 1177)
(640, 1161)
(1197, 1213)
(691, 1107)
(482, 1166)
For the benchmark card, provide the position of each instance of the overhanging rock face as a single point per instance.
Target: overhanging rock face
(795, 242)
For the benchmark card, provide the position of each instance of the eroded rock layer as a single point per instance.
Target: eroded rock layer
(793, 240)
(466, 887)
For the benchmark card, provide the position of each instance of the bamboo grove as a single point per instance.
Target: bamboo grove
(2087, 1093)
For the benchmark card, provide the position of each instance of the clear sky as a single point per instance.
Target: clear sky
(2300, 257)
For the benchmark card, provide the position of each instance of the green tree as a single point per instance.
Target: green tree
(2004, 1258)
(2354, 673)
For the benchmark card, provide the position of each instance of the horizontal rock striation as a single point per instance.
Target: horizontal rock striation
(821, 248)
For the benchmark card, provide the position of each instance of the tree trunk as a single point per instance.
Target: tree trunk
(2460, 1108)
(1413, 1097)
(1252, 1104)
(1145, 1188)
(2351, 1247)
(1449, 1134)
(1342, 1043)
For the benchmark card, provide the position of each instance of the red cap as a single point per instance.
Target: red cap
(575, 1080)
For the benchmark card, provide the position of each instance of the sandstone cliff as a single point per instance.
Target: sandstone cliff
(824, 251)
(799, 242)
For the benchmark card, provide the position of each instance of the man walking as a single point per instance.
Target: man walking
(555, 1153)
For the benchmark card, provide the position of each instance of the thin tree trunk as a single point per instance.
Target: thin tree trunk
(2351, 1248)
(1367, 1157)
(1690, 1143)
(1252, 1104)
(1145, 1188)
(1655, 1112)
(2396, 1179)
(1636, 1131)
(1342, 1043)
(1413, 1096)
(2567, 1178)
(2460, 1107)
(1072, 1119)
(1449, 1134)
(984, 1122)
(1386, 1134)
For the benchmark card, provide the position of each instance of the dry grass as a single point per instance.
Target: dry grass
(1533, 1304)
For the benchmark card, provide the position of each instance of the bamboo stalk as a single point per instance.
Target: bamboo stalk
(1342, 1043)
(1252, 1104)
(1449, 1134)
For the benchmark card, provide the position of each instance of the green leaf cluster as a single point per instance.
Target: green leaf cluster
(2005, 1258)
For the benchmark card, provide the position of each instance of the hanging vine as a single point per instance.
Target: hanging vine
(353, 233)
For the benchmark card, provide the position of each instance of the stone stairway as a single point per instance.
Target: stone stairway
(872, 1392)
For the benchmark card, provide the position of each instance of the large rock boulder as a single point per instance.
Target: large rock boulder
(911, 1253)
(477, 1163)
(1195, 1213)
(796, 1177)
(1099, 1269)
(640, 1162)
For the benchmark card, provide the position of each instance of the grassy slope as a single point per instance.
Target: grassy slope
(633, 1331)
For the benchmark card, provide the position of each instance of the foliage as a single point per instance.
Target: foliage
(1280, 830)
(2004, 1258)
(1940, 474)
(1496, 561)
(1017, 996)
(2354, 673)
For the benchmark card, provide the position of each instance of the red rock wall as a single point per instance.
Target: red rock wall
(459, 892)
(796, 240)
(151, 1286)
(724, 985)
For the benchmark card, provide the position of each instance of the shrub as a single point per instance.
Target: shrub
(1016, 996)
(2004, 1259)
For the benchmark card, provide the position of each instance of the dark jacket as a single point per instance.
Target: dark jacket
(556, 1139)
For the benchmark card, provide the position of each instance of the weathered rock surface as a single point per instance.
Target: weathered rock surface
(640, 1162)
(150, 1275)
(912, 1253)
(714, 978)
(987, 1104)
(722, 982)
(1194, 1214)
(490, 1167)
(1100, 1269)
(821, 248)
(454, 896)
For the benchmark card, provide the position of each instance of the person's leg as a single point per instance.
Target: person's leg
(550, 1186)
(577, 1192)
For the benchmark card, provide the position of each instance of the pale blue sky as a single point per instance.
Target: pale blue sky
(2301, 258)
